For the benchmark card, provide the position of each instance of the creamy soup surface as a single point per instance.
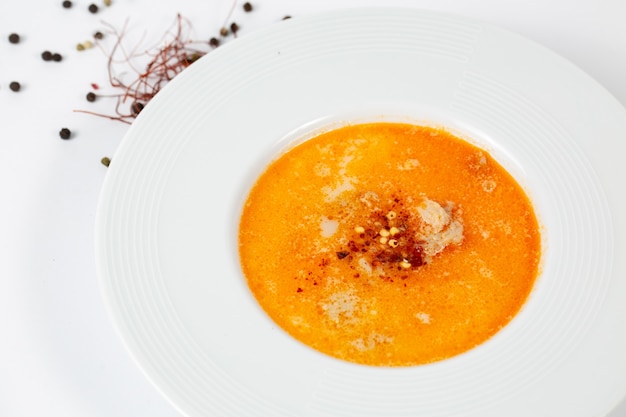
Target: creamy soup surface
(389, 244)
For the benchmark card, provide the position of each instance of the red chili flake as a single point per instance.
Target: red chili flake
(388, 257)
(416, 257)
(299, 289)
(95, 86)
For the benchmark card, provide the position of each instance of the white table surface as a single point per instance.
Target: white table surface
(59, 354)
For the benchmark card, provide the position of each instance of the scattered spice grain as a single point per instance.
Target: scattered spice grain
(224, 31)
(14, 38)
(106, 161)
(46, 55)
(93, 8)
(56, 57)
(214, 42)
(98, 35)
(107, 2)
(67, 4)
(247, 7)
(136, 107)
(84, 45)
(15, 86)
(65, 133)
(91, 97)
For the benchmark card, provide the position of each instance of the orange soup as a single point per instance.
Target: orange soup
(389, 244)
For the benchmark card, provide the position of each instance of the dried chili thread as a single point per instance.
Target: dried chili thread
(165, 62)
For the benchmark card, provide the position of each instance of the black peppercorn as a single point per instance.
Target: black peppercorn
(46, 55)
(67, 4)
(223, 31)
(247, 7)
(98, 35)
(93, 8)
(91, 97)
(234, 27)
(136, 107)
(65, 133)
(14, 38)
(15, 86)
(214, 42)
(56, 57)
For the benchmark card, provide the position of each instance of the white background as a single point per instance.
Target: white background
(59, 353)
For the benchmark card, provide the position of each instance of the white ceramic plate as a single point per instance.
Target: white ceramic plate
(167, 222)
